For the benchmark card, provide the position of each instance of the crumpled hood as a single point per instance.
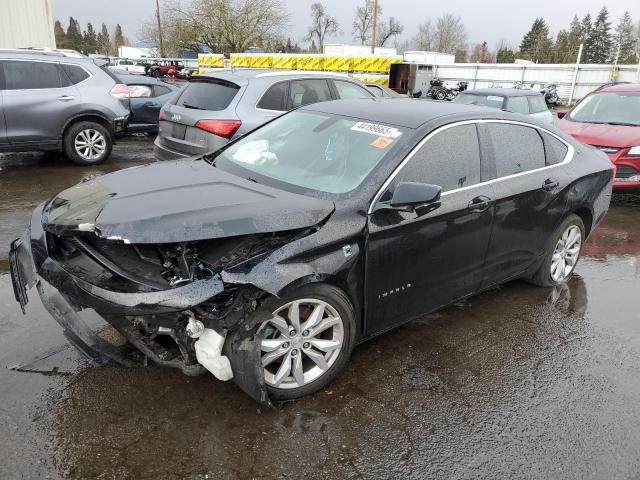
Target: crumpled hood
(603, 135)
(177, 202)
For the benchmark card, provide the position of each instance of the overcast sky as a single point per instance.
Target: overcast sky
(485, 20)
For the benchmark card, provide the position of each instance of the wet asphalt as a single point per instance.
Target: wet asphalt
(519, 382)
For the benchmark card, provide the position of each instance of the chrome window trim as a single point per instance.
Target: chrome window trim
(567, 158)
(45, 61)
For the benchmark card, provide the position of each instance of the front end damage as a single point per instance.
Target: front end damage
(130, 303)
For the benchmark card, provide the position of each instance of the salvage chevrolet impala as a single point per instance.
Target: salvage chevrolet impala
(269, 260)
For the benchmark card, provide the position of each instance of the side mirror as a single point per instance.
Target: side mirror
(410, 195)
(562, 113)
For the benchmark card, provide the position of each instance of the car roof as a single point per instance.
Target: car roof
(243, 75)
(404, 112)
(503, 92)
(25, 54)
(622, 87)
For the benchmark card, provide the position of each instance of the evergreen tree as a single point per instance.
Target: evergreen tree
(90, 40)
(118, 39)
(587, 39)
(626, 41)
(104, 41)
(74, 35)
(536, 44)
(568, 43)
(601, 40)
(505, 55)
(61, 37)
(461, 55)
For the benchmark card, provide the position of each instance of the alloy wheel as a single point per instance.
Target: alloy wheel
(566, 253)
(90, 144)
(303, 340)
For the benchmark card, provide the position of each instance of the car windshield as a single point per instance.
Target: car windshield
(315, 151)
(493, 101)
(617, 108)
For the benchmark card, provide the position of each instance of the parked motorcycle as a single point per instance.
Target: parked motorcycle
(550, 93)
(441, 91)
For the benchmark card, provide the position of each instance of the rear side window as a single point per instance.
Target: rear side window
(436, 162)
(208, 95)
(160, 90)
(516, 148)
(554, 149)
(518, 105)
(350, 90)
(537, 104)
(305, 92)
(377, 91)
(274, 98)
(75, 73)
(20, 75)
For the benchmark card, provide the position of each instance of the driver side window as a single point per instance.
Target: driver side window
(451, 159)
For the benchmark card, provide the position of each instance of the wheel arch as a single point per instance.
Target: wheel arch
(88, 117)
(586, 216)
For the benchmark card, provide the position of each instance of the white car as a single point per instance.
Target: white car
(516, 100)
(130, 66)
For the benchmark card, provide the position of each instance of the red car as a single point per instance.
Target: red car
(609, 119)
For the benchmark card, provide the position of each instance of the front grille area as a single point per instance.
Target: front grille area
(625, 171)
(607, 150)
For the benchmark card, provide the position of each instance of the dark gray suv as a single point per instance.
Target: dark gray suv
(50, 102)
(217, 107)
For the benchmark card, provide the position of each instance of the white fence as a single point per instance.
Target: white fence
(573, 81)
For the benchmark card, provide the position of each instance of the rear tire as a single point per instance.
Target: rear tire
(441, 94)
(562, 253)
(87, 143)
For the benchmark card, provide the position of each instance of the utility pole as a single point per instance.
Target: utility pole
(575, 74)
(159, 28)
(375, 26)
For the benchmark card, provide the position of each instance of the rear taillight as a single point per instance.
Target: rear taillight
(120, 90)
(223, 128)
(161, 115)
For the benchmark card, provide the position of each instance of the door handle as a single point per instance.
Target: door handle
(550, 184)
(479, 204)
(66, 98)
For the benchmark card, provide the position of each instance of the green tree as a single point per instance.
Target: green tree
(568, 43)
(61, 37)
(90, 40)
(586, 27)
(505, 55)
(104, 41)
(536, 44)
(74, 35)
(118, 39)
(626, 41)
(601, 39)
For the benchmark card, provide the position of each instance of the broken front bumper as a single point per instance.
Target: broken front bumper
(91, 316)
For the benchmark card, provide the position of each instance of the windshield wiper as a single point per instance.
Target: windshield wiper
(624, 124)
(194, 107)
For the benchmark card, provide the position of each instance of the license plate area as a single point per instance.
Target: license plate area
(178, 131)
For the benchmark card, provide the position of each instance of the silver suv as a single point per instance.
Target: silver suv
(215, 108)
(52, 102)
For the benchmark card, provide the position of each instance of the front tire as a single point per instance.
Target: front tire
(87, 143)
(562, 253)
(307, 342)
(441, 94)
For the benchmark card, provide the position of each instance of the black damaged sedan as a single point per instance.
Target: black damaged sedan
(269, 260)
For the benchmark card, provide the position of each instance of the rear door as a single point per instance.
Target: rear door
(308, 91)
(538, 108)
(203, 102)
(272, 104)
(527, 187)
(37, 100)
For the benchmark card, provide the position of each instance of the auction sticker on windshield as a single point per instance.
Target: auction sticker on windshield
(376, 129)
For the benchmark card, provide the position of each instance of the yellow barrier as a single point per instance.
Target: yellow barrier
(310, 62)
(338, 63)
(210, 60)
(381, 79)
(374, 63)
(287, 62)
